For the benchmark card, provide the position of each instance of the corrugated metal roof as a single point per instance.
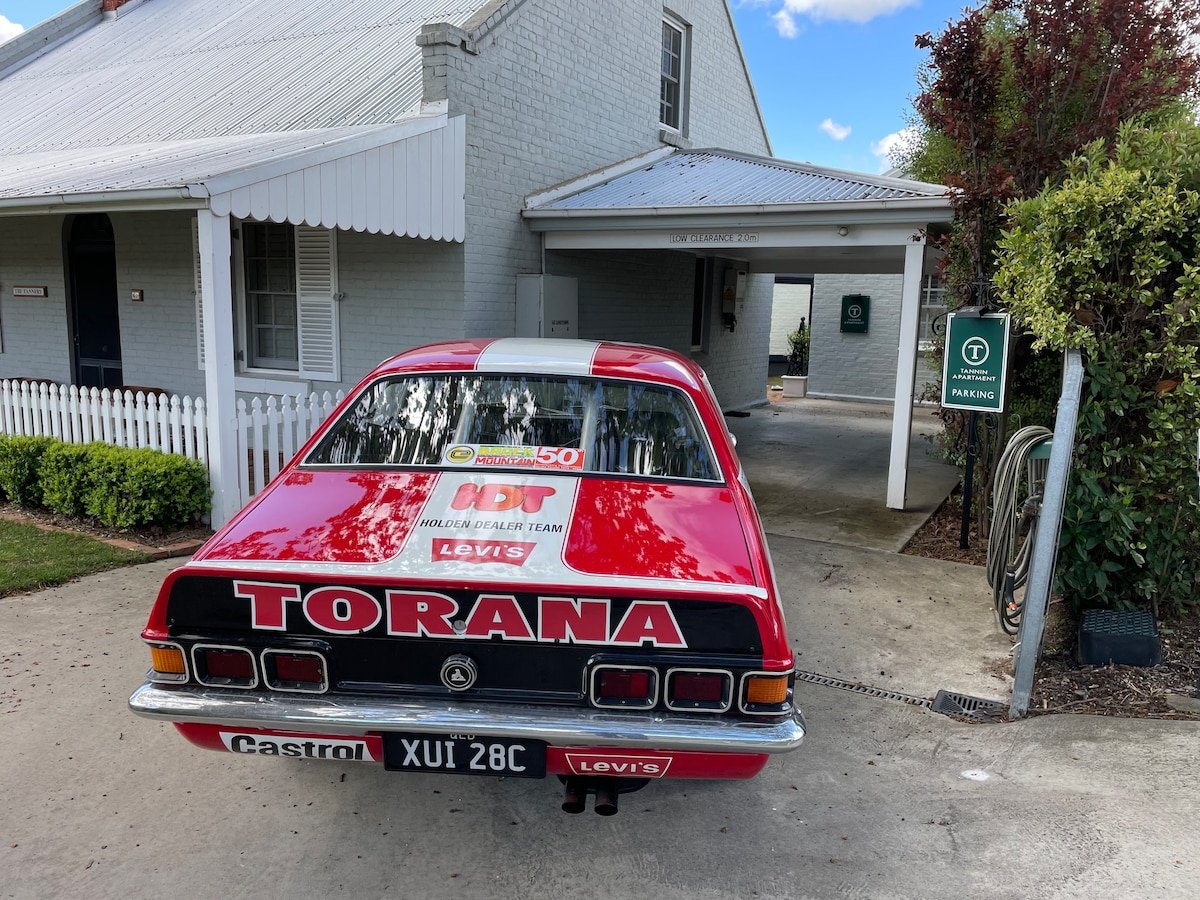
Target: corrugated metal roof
(180, 69)
(709, 178)
(156, 166)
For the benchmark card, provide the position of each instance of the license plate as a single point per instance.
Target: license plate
(464, 754)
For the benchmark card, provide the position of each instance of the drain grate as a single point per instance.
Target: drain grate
(859, 688)
(973, 709)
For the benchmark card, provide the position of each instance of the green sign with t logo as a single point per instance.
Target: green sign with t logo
(975, 368)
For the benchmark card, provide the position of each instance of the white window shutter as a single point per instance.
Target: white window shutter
(197, 288)
(316, 291)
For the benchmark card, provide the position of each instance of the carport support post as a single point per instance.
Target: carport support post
(216, 310)
(906, 371)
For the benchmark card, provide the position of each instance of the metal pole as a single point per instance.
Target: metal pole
(964, 535)
(1045, 542)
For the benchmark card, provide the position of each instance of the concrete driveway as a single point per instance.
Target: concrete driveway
(884, 800)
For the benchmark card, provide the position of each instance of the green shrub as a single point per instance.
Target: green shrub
(145, 488)
(19, 459)
(66, 477)
(1107, 263)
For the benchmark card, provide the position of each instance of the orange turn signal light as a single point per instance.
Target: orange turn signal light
(168, 660)
(766, 689)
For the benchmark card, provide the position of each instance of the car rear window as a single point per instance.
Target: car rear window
(544, 422)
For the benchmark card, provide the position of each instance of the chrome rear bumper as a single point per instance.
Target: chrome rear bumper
(558, 726)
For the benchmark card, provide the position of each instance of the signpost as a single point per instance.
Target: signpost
(975, 366)
(974, 378)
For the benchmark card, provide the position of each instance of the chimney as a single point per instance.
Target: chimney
(109, 8)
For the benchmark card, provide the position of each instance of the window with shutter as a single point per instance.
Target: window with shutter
(316, 280)
(290, 279)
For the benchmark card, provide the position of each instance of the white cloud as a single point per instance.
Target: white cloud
(859, 11)
(834, 130)
(785, 24)
(886, 148)
(9, 29)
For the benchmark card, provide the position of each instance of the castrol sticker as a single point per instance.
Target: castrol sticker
(560, 459)
(301, 746)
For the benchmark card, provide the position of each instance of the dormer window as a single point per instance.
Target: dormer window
(673, 97)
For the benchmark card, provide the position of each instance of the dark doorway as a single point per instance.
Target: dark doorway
(95, 328)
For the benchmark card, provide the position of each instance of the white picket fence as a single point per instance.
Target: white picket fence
(269, 432)
(78, 415)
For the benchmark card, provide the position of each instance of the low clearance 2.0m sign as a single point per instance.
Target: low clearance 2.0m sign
(975, 368)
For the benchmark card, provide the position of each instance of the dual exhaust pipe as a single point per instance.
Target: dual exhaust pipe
(578, 788)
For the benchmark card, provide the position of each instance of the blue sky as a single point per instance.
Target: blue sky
(835, 78)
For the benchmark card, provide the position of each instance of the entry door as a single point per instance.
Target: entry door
(95, 328)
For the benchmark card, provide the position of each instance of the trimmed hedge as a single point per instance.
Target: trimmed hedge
(20, 458)
(122, 488)
(66, 478)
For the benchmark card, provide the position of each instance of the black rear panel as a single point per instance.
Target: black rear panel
(529, 659)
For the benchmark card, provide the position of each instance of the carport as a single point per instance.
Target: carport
(775, 217)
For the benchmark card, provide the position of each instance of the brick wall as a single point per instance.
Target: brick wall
(34, 329)
(854, 365)
(399, 293)
(790, 304)
(647, 297)
(158, 335)
(555, 92)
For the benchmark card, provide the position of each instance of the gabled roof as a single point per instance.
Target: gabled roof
(183, 103)
(165, 70)
(717, 179)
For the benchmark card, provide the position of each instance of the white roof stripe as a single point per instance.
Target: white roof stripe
(550, 355)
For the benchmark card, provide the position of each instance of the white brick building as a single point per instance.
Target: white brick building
(235, 197)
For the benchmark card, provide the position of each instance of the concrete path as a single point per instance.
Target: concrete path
(859, 611)
(884, 800)
(818, 469)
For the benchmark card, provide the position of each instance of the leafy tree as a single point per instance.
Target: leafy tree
(1010, 91)
(1109, 263)
(1015, 87)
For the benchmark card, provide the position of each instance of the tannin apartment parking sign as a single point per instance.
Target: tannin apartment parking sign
(975, 368)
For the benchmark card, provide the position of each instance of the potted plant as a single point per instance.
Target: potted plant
(795, 381)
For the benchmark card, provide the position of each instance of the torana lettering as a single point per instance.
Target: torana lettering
(346, 610)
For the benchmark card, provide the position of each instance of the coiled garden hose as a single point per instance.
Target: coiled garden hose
(1017, 501)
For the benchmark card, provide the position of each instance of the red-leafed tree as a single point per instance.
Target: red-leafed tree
(1009, 93)
(1015, 87)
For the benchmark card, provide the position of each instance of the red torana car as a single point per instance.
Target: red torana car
(508, 557)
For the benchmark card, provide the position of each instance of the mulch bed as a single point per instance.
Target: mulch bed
(1062, 684)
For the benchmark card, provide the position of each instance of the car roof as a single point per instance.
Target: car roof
(549, 356)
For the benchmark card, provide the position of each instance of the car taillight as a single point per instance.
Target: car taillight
(217, 666)
(295, 670)
(706, 690)
(167, 663)
(765, 693)
(624, 687)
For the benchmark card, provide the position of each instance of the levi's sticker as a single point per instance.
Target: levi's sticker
(514, 553)
(619, 764)
(568, 459)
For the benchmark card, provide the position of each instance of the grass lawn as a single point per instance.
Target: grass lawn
(31, 558)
